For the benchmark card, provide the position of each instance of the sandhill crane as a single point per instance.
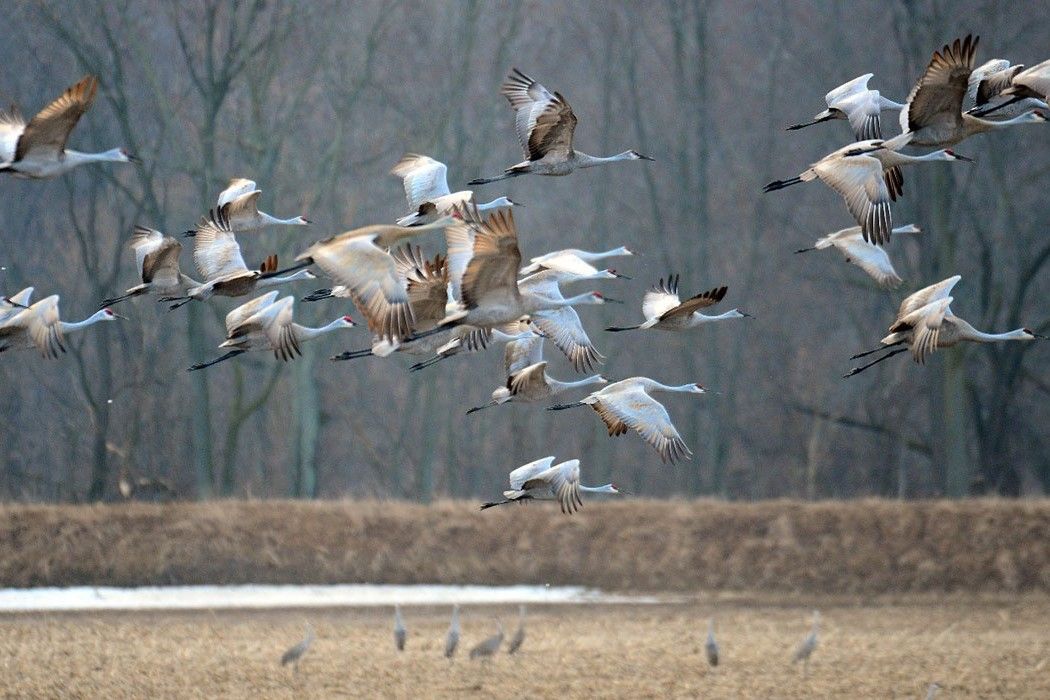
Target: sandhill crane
(13, 305)
(157, 260)
(265, 323)
(540, 481)
(40, 327)
(218, 259)
(1029, 87)
(627, 405)
(489, 288)
(242, 196)
(711, 645)
(519, 634)
(934, 116)
(452, 636)
(808, 645)
(562, 325)
(925, 323)
(868, 257)
(986, 86)
(470, 339)
(867, 176)
(38, 149)
(932, 689)
(426, 189)
(296, 652)
(400, 633)
(545, 124)
(359, 260)
(569, 258)
(487, 648)
(663, 310)
(854, 102)
(532, 383)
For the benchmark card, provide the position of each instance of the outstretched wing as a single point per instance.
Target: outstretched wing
(424, 178)
(544, 122)
(937, 98)
(640, 412)
(660, 298)
(565, 330)
(48, 131)
(694, 303)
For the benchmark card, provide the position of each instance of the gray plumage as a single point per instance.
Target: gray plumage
(519, 636)
(809, 644)
(711, 645)
(932, 690)
(295, 653)
(400, 633)
(490, 646)
(452, 638)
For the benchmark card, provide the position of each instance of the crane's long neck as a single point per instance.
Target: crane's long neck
(300, 275)
(78, 157)
(968, 332)
(294, 221)
(615, 252)
(587, 298)
(557, 386)
(653, 385)
(704, 318)
(993, 124)
(307, 333)
(607, 488)
(584, 160)
(67, 326)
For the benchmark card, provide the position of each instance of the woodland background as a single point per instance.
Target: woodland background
(316, 101)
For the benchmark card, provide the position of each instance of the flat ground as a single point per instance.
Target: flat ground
(987, 647)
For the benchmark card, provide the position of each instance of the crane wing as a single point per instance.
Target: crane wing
(527, 471)
(924, 296)
(636, 410)
(529, 381)
(48, 131)
(988, 80)
(519, 354)
(427, 284)
(925, 324)
(860, 181)
(846, 90)
(660, 298)
(870, 258)
(11, 127)
(1036, 78)
(424, 178)
(242, 313)
(491, 275)
(235, 188)
(277, 321)
(160, 264)
(45, 328)
(215, 249)
(565, 330)
(937, 98)
(245, 206)
(544, 122)
(563, 480)
(694, 303)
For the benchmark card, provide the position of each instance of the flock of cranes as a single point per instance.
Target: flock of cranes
(480, 291)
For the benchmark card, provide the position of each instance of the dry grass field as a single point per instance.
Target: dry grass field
(861, 547)
(987, 647)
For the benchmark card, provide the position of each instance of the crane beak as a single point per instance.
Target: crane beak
(610, 300)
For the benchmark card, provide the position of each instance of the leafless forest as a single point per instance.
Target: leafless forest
(316, 101)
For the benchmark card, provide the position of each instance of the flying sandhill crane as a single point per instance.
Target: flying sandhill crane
(545, 124)
(490, 292)
(627, 405)
(562, 325)
(854, 102)
(519, 634)
(868, 257)
(400, 633)
(808, 645)
(934, 115)
(360, 261)
(266, 323)
(157, 260)
(38, 149)
(452, 636)
(711, 645)
(242, 196)
(487, 648)
(867, 176)
(469, 339)
(665, 311)
(987, 88)
(218, 259)
(1026, 85)
(13, 305)
(296, 652)
(540, 481)
(40, 327)
(925, 323)
(426, 188)
(532, 383)
(569, 259)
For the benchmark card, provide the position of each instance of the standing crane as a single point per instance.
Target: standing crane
(157, 260)
(265, 323)
(665, 311)
(519, 635)
(487, 648)
(925, 323)
(854, 102)
(808, 645)
(627, 405)
(39, 326)
(711, 645)
(400, 633)
(38, 149)
(933, 115)
(545, 124)
(867, 256)
(296, 652)
(540, 481)
(426, 188)
(452, 636)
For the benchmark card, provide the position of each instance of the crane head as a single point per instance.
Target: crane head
(348, 322)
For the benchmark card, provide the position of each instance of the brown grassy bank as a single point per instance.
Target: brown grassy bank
(865, 547)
